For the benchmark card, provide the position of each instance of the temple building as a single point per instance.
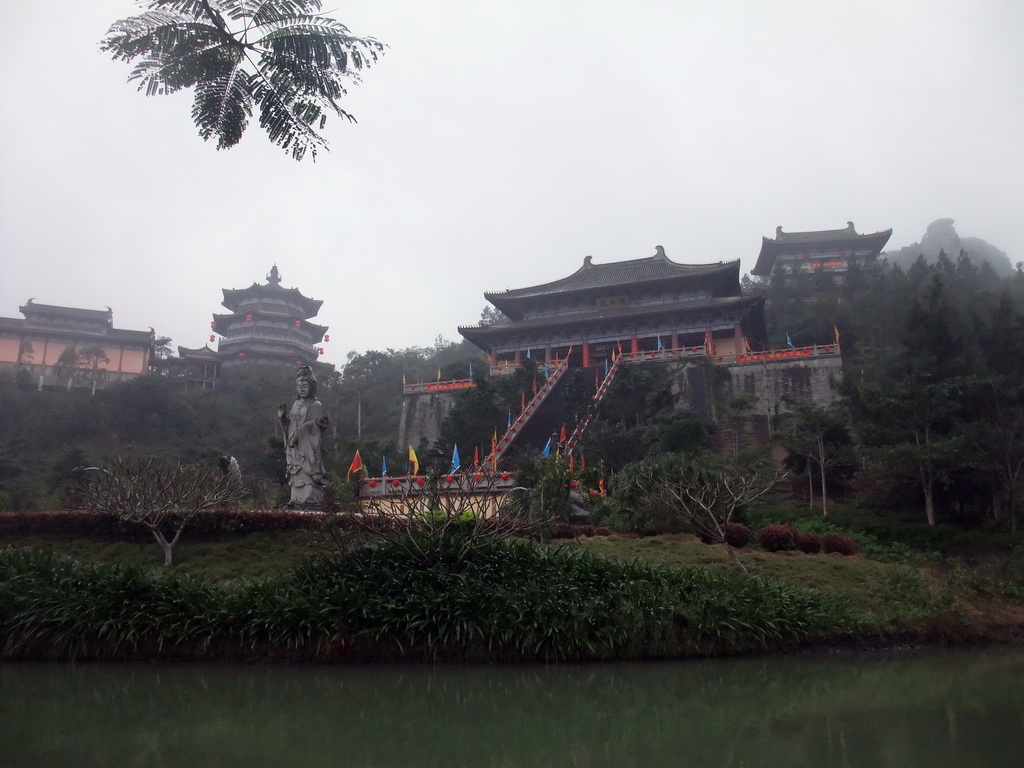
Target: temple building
(265, 325)
(73, 348)
(829, 251)
(643, 305)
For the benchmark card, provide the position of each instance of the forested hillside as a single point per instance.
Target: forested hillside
(933, 418)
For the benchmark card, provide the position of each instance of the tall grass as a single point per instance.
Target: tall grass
(511, 601)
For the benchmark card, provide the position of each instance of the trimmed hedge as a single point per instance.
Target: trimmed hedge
(777, 538)
(735, 534)
(836, 542)
(214, 523)
(808, 541)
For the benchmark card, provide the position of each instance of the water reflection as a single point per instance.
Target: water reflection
(900, 710)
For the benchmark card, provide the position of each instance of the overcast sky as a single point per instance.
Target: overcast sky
(498, 144)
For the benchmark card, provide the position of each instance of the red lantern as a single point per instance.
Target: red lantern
(372, 483)
(212, 337)
(394, 482)
(248, 318)
(419, 481)
(298, 323)
(321, 350)
(574, 483)
(449, 479)
(504, 475)
(241, 354)
(213, 324)
(327, 337)
(298, 363)
(478, 478)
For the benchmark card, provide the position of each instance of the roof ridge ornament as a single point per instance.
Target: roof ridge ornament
(588, 261)
(659, 253)
(274, 278)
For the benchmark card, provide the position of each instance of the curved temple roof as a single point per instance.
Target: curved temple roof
(590, 276)
(823, 240)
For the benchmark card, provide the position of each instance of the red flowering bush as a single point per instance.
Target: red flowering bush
(808, 541)
(777, 538)
(836, 542)
(735, 534)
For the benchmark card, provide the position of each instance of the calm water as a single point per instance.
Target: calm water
(902, 710)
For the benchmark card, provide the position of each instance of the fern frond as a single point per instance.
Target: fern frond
(285, 118)
(223, 106)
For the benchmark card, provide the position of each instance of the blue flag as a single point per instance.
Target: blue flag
(606, 366)
(659, 341)
(509, 425)
(383, 466)
(471, 370)
(527, 354)
(789, 341)
(547, 450)
(455, 459)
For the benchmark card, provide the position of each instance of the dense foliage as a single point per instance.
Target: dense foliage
(506, 602)
(281, 58)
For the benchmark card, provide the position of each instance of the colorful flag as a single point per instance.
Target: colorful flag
(618, 343)
(471, 370)
(836, 329)
(659, 342)
(438, 374)
(403, 379)
(606, 366)
(583, 462)
(600, 485)
(746, 345)
(455, 459)
(494, 450)
(527, 353)
(383, 466)
(522, 401)
(414, 463)
(509, 424)
(561, 436)
(709, 342)
(572, 467)
(357, 464)
(547, 450)
(789, 342)
(534, 386)
(476, 458)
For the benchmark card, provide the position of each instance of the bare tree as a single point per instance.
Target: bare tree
(161, 498)
(702, 496)
(448, 516)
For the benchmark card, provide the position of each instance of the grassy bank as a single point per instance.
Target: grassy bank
(270, 596)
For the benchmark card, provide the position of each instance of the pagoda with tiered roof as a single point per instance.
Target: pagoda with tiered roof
(268, 325)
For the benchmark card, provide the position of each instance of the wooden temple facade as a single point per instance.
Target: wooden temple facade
(827, 251)
(73, 348)
(644, 305)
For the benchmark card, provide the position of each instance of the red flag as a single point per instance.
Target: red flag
(600, 484)
(476, 458)
(619, 343)
(572, 466)
(535, 385)
(357, 464)
(522, 402)
(596, 385)
(583, 462)
(561, 437)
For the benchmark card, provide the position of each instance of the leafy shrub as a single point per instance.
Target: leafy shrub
(735, 534)
(777, 538)
(836, 542)
(808, 541)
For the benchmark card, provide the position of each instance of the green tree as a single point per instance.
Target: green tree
(280, 57)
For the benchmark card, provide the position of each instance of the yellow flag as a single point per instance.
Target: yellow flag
(414, 463)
